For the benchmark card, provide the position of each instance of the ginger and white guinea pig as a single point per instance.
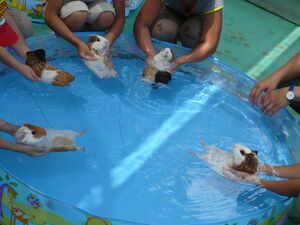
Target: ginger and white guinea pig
(47, 73)
(57, 140)
(102, 67)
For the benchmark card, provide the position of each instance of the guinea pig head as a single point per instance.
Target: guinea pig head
(30, 134)
(244, 159)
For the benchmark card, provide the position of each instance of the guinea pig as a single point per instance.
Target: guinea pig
(102, 67)
(244, 159)
(157, 72)
(57, 140)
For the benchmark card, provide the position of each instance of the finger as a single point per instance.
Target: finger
(268, 108)
(35, 77)
(256, 92)
(273, 110)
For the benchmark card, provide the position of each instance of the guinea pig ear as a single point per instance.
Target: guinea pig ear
(254, 151)
(40, 54)
(242, 152)
(93, 38)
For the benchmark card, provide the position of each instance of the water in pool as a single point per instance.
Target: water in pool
(136, 165)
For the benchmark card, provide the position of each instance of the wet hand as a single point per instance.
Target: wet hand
(33, 150)
(174, 66)
(265, 85)
(85, 52)
(28, 73)
(240, 176)
(149, 60)
(274, 100)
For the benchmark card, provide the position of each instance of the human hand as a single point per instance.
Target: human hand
(28, 72)
(268, 84)
(149, 60)
(85, 52)
(240, 176)
(31, 150)
(174, 66)
(274, 100)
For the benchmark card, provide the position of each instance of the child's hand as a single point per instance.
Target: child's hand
(149, 60)
(32, 150)
(27, 72)
(240, 176)
(85, 52)
(174, 66)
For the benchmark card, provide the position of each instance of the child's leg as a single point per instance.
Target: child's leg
(20, 47)
(102, 15)
(75, 15)
(190, 32)
(166, 26)
(23, 23)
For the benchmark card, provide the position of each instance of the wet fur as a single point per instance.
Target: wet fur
(102, 67)
(59, 142)
(240, 158)
(249, 165)
(157, 72)
(48, 73)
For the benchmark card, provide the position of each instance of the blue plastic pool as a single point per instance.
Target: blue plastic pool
(136, 166)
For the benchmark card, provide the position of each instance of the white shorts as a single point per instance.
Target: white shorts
(93, 9)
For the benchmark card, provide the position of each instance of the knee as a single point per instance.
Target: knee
(165, 30)
(76, 21)
(23, 22)
(190, 33)
(104, 21)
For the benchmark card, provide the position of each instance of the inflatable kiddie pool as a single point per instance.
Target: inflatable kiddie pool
(136, 168)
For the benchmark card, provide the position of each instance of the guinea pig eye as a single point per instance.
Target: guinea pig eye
(33, 132)
(242, 152)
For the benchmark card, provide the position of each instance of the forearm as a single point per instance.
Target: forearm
(289, 172)
(288, 71)
(289, 188)
(202, 51)
(8, 59)
(143, 39)
(59, 27)
(8, 127)
(115, 30)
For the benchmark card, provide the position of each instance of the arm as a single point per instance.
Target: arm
(143, 22)
(10, 61)
(58, 26)
(117, 27)
(274, 100)
(289, 188)
(210, 36)
(8, 128)
(29, 150)
(288, 71)
(289, 172)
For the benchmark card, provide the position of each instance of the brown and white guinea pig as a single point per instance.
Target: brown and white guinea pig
(244, 159)
(57, 140)
(102, 67)
(157, 72)
(48, 73)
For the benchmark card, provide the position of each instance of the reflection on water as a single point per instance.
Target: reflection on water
(138, 138)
